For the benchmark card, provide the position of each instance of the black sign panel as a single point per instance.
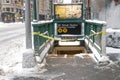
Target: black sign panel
(69, 28)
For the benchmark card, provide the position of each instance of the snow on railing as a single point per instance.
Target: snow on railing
(42, 31)
(97, 40)
(42, 22)
(96, 21)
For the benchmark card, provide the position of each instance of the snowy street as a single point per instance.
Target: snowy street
(12, 37)
(10, 31)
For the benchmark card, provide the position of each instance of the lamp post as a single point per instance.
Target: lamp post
(35, 9)
(28, 25)
(28, 55)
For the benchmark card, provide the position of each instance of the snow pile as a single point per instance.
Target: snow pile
(113, 44)
(11, 56)
(112, 16)
(111, 65)
(113, 37)
(112, 50)
(11, 50)
(5, 25)
(28, 59)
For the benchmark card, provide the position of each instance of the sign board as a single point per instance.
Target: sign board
(67, 11)
(69, 28)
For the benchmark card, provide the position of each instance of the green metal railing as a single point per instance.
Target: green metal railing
(95, 33)
(35, 9)
(45, 28)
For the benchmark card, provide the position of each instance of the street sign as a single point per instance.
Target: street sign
(69, 28)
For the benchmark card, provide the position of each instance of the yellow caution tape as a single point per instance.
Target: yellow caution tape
(48, 37)
(103, 32)
(42, 35)
(98, 33)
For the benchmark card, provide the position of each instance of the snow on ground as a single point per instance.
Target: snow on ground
(11, 61)
(11, 51)
(113, 37)
(112, 50)
(113, 30)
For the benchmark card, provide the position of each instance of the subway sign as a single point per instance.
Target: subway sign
(69, 28)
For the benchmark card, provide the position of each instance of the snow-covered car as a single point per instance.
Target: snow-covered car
(113, 38)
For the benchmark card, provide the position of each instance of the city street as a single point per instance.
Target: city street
(11, 31)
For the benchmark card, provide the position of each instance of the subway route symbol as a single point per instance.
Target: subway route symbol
(62, 30)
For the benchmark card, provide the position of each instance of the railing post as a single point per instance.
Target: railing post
(35, 9)
(104, 40)
(36, 39)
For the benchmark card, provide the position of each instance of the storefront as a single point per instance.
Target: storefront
(8, 17)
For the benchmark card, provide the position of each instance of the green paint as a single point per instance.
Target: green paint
(41, 28)
(35, 9)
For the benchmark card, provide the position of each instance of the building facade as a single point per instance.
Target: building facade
(76, 1)
(12, 6)
(58, 1)
(43, 9)
(117, 2)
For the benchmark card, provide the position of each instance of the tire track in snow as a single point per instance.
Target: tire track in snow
(9, 35)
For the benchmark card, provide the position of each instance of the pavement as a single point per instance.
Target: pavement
(73, 68)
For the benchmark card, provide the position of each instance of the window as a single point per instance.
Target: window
(7, 1)
(15, 1)
(3, 9)
(7, 9)
(12, 9)
(12, 1)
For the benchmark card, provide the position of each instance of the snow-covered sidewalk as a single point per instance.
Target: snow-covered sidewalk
(11, 55)
(11, 50)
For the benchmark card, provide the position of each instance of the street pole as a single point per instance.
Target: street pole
(51, 10)
(28, 25)
(35, 9)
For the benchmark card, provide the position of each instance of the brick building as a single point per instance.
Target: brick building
(11, 6)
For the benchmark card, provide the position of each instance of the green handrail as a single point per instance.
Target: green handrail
(94, 32)
(45, 28)
(35, 9)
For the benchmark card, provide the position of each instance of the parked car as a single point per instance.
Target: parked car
(8, 17)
